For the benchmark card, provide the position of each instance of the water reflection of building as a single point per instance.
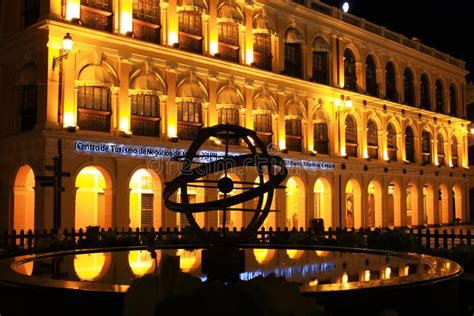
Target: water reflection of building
(311, 79)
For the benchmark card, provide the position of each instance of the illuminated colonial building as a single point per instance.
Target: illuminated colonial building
(370, 121)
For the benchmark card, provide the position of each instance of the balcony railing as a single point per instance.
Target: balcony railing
(294, 143)
(373, 152)
(351, 150)
(188, 130)
(392, 154)
(146, 31)
(145, 126)
(96, 19)
(262, 61)
(93, 120)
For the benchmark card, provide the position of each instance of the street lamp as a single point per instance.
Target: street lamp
(67, 47)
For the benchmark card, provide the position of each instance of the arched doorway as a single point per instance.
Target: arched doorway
(323, 201)
(233, 219)
(353, 209)
(394, 205)
(145, 199)
(295, 203)
(374, 206)
(271, 220)
(428, 204)
(411, 205)
(457, 203)
(443, 206)
(93, 198)
(24, 199)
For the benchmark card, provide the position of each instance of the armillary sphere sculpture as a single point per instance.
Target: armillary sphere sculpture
(270, 169)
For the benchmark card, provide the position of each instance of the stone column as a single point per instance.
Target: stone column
(171, 116)
(248, 93)
(69, 111)
(212, 108)
(248, 42)
(281, 120)
(122, 196)
(312, 105)
(124, 99)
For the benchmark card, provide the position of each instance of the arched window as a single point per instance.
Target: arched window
(440, 147)
(294, 114)
(94, 99)
(372, 139)
(390, 83)
(145, 103)
(408, 87)
(190, 25)
(229, 19)
(229, 101)
(409, 144)
(263, 108)
(262, 42)
(97, 14)
(190, 109)
(425, 92)
(391, 142)
(439, 96)
(147, 20)
(425, 147)
(371, 77)
(293, 53)
(351, 136)
(350, 76)
(321, 139)
(453, 104)
(27, 102)
(321, 50)
(454, 151)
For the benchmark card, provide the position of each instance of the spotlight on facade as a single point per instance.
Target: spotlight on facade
(345, 7)
(472, 131)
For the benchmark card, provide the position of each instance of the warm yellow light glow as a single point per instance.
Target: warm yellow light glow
(311, 148)
(172, 38)
(366, 276)
(25, 268)
(126, 22)
(322, 253)
(472, 131)
(436, 160)
(213, 47)
(404, 271)
(282, 144)
(140, 262)
(345, 278)
(348, 103)
(172, 131)
(341, 84)
(124, 125)
(386, 273)
(249, 56)
(294, 254)
(140, 183)
(187, 260)
(73, 9)
(385, 155)
(89, 266)
(343, 151)
(366, 155)
(337, 102)
(451, 163)
(313, 282)
(447, 265)
(68, 120)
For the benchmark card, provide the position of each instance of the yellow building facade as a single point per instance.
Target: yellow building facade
(371, 122)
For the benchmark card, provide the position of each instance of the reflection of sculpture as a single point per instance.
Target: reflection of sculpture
(267, 167)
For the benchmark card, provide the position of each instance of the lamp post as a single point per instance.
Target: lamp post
(67, 47)
(342, 105)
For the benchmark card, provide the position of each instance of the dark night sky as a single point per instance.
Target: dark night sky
(446, 26)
